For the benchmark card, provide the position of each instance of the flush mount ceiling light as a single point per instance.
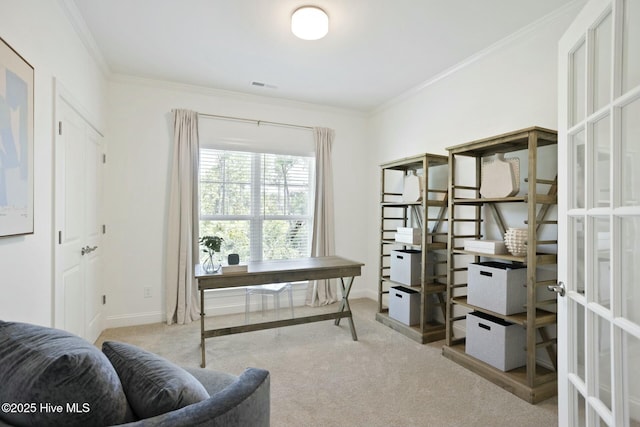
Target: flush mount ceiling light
(309, 23)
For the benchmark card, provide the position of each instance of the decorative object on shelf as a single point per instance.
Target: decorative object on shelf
(211, 244)
(515, 239)
(408, 235)
(233, 259)
(412, 189)
(500, 177)
(494, 247)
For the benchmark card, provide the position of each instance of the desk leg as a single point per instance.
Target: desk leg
(204, 363)
(344, 304)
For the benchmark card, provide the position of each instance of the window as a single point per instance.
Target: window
(260, 203)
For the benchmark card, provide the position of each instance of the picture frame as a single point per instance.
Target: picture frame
(16, 143)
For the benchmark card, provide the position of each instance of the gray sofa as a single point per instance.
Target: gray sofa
(49, 377)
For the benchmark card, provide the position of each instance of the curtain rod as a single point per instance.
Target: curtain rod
(258, 122)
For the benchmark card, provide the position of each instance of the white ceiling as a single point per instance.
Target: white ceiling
(375, 51)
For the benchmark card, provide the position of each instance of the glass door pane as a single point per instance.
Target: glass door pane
(577, 282)
(603, 361)
(630, 268)
(630, 134)
(602, 63)
(631, 375)
(631, 45)
(578, 154)
(601, 163)
(577, 362)
(578, 79)
(602, 261)
(579, 413)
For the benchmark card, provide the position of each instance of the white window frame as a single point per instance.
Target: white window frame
(256, 218)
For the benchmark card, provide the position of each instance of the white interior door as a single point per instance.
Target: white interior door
(599, 216)
(78, 194)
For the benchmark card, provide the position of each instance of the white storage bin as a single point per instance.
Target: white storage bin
(485, 246)
(501, 287)
(406, 266)
(494, 341)
(404, 305)
(497, 286)
(409, 239)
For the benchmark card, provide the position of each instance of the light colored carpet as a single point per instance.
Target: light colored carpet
(321, 377)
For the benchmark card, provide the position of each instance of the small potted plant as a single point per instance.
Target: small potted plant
(211, 246)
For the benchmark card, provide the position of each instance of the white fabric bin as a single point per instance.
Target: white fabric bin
(497, 286)
(494, 341)
(404, 305)
(406, 266)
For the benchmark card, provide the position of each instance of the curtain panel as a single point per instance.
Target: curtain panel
(182, 243)
(323, 292)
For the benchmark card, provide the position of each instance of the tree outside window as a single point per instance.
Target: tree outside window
(260, 203)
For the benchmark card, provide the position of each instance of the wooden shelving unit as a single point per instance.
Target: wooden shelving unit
(468, 219)
(429, 214)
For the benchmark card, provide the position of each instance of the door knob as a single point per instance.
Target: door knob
(87, 250)
(557, 288)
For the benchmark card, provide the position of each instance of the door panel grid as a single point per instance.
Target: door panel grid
(599, 125)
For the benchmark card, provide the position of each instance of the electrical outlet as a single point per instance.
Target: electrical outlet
(147, 292)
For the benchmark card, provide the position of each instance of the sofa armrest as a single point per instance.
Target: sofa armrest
(213, 381)
(244, 402)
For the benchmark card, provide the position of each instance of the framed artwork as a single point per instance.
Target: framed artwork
(16, 143)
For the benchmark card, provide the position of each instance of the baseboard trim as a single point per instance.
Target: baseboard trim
(134, 319)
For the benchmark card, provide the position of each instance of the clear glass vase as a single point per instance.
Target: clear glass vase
(211, 263)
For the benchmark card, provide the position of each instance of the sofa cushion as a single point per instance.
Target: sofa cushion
(153, 385)
(58, 378)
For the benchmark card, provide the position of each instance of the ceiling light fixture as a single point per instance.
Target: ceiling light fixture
(309, 23)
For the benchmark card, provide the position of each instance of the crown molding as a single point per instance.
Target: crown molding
(223, 93)
(82, 30)
(500, 44)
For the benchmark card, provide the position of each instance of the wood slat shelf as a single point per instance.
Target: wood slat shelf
(399, 204)
(543, 317)
(481, 201)
(533, 382)
(415, 162)
(511, 141)
(432, 223)
(438, 203)
(435, 246)
(429, 288)
(544, 199)
(541, 258)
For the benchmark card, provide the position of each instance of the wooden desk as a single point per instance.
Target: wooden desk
(279, 271)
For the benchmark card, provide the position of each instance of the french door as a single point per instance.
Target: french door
(599, 217)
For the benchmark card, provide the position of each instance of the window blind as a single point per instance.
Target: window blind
(261, 204)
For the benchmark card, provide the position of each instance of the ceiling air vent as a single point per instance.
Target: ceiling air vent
(265, 85)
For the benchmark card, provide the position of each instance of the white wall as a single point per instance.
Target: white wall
(41, 33)
(511, 86)
(138, 167)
